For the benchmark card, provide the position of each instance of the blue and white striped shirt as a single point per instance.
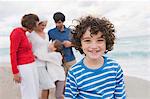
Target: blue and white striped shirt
(106, 82)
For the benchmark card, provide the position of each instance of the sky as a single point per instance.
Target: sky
(130, 17)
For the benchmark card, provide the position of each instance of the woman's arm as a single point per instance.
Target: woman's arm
(15, 40)
(54, 57)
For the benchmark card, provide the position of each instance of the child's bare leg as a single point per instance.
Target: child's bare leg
(60, 89)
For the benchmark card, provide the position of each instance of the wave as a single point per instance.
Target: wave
(130, 54)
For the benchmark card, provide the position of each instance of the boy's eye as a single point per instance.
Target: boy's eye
(100, 40)
(86, 40)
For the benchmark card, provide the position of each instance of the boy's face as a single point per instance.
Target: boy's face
(93, 46)
(59, 24)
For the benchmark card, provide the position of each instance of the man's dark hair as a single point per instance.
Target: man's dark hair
(58, 16)
(29, 21)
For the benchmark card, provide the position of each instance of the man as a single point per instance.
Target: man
(60, 32)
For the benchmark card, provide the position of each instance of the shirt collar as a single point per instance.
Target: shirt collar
(65, 29)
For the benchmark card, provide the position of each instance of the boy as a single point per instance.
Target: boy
(95, 76)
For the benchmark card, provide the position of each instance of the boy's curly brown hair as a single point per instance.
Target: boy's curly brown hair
(96, 25)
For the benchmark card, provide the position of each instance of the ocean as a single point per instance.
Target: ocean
(132, 53)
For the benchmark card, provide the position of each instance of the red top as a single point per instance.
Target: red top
(20, 49)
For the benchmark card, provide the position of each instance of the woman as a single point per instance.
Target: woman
(22, 58)
(49, 61)
(40, 45)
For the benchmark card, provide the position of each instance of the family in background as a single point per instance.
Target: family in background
(44, 63)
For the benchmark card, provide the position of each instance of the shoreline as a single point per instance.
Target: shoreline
(136, 88)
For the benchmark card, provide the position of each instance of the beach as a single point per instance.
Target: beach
(136, 88)
(8, 89)
(131, 47)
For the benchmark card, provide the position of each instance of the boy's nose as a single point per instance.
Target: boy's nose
(93, 45)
